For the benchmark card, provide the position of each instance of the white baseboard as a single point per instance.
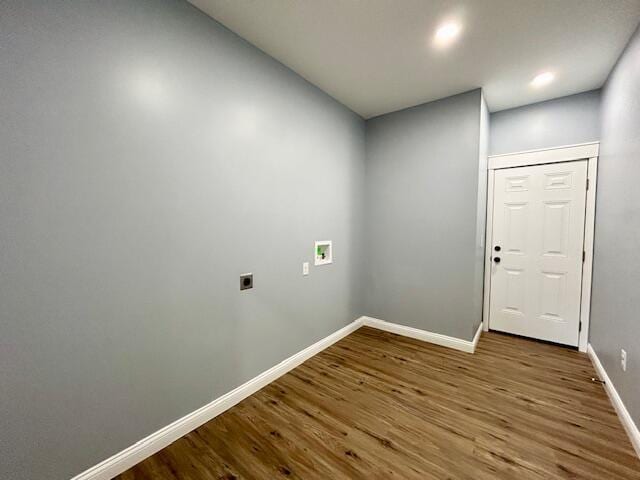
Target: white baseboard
(155, 442)
(621, 410)
(468, 346)
(476, 337)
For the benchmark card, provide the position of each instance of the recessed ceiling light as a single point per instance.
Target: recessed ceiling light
(542, 79)
(447, 33)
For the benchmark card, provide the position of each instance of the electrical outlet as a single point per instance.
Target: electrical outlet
(305, 268)
(623, 360)
(246, 281)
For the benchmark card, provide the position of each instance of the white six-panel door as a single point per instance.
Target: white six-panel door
(538, 238)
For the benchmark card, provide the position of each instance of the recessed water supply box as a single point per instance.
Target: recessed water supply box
(323, 253)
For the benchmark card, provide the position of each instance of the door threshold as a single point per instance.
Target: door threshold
(537, 340)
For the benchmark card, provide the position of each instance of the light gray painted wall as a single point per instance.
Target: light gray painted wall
(615, 304)
(421, 216)
(563, 121)
(148, 156)
(481, 215)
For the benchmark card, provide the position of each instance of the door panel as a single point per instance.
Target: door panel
(539, 229)
(516, 222)
(555, 228)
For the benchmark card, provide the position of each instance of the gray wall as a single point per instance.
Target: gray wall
(481, 214)
(148, 156)
(615, 305)
(563, 121)
(421, 216)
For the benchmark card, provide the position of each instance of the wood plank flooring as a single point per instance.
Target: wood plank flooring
(379, 406)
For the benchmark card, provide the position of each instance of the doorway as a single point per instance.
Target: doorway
(539, 244)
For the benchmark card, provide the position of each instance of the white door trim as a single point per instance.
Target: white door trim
(585, 151)
(549, 155)
(488, 244)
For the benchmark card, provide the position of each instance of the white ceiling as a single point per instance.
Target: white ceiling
(377, 56)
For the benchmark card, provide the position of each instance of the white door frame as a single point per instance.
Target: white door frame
(583, 151)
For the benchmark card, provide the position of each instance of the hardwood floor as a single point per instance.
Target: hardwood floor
(379, 406)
